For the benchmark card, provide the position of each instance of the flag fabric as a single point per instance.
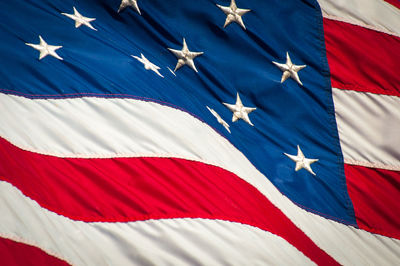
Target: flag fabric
(205, 132)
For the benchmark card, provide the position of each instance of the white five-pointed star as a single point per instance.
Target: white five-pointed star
(185, 57)
(239, 111)
(301, 161)
(290, 70)
(45, 49)
(127, 3)
(233, 14)
(79, 19)
(147, 64)
(219, 119)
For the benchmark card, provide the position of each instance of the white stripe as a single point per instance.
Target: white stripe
(95, 127)
(372, 165)
(104, 128)
(349, 21)
(369, 128)
(152, 242)
(373, 14)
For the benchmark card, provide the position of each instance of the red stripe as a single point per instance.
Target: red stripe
(361, 59)
(375, 194)
(16, 254)
(395, 3)
(130, 189)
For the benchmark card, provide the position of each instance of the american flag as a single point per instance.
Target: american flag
(208, 132)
